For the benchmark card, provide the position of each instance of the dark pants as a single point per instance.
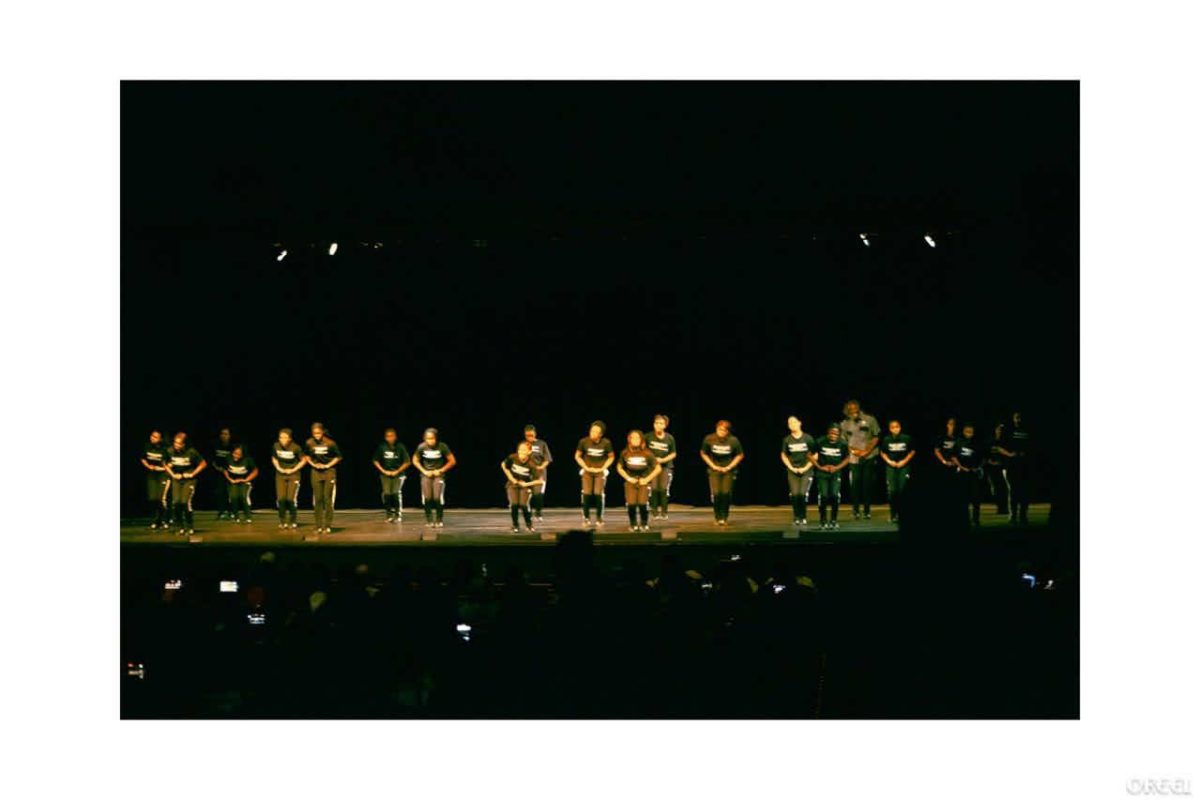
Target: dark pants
(798, 488)
(720, 486)
(183, 491)
(519, 498)
(158, 495)
(221, 494)
(433, 497)
(637, 501)
(392, 488)
(592, 491)
(829, 493)
(324, 486)
(660, 490)
(999, 486)
(538, 499)
(973, 483)
(897, 480)
(287, 493)
(1018, 481)
(862, 479)
(239, 498)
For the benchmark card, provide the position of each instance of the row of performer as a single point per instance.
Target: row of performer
(847, 451)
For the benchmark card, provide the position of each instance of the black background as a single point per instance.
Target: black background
(559, 252)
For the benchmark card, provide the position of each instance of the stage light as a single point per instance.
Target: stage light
(333, 248)
(929, 241)
(282, 255)
(865, 240)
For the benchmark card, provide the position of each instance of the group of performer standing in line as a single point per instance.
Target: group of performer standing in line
(646, 464)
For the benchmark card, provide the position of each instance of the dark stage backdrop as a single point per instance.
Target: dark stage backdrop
(749, 303)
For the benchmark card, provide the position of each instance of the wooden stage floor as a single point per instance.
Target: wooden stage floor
(763, 524)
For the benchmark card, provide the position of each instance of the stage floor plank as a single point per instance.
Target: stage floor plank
(493, 526)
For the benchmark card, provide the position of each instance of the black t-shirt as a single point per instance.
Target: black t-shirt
(521, 470)
(434, 457)
(721, 451)
(797, 450)
(539, 451)
(156, 454)
(288, 457)
(391, 456)
(945, 444)
(594, 453)
(896, 448)
(970, 452)
(239, 468)
(221, 453)
(662, 447)
(185, 460)
(831, 453)
(1016, 441)
(321, 452)
(638, 463)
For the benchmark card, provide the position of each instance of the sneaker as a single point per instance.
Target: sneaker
(599, 523)
(803, 523)
(441, 524)
(796, 522)
(293, 526)
(893, 520)
(824, 525)
(834, 526)
(190, 532)
(538, 519)
(856, 515)
(634, 528)
(532, 529)
(587, 523)
(867, 515)
(515, 529)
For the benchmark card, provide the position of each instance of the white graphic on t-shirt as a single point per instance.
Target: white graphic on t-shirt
(321, 449)
(722, 449)
(635, 461)
(595, 452)
(834, 452)
(286, 455)
(517, 468)
(802, 447)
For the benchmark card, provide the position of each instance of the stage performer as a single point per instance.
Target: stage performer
(994, 468)
(722, 452)
(288, 459)
(523, 476)
(897, 453)
(968, 458)
(662, 444)
(323, 455)
(158, 483)
(943, 448)
(391, 459)
(184, 463)
(832, 456)
(433, 460)
(797, 445)
(220, 457)
(539, 451)
(860, 431)
(240, 472)
(594, 455)
(1015, 447)
(639, 467)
